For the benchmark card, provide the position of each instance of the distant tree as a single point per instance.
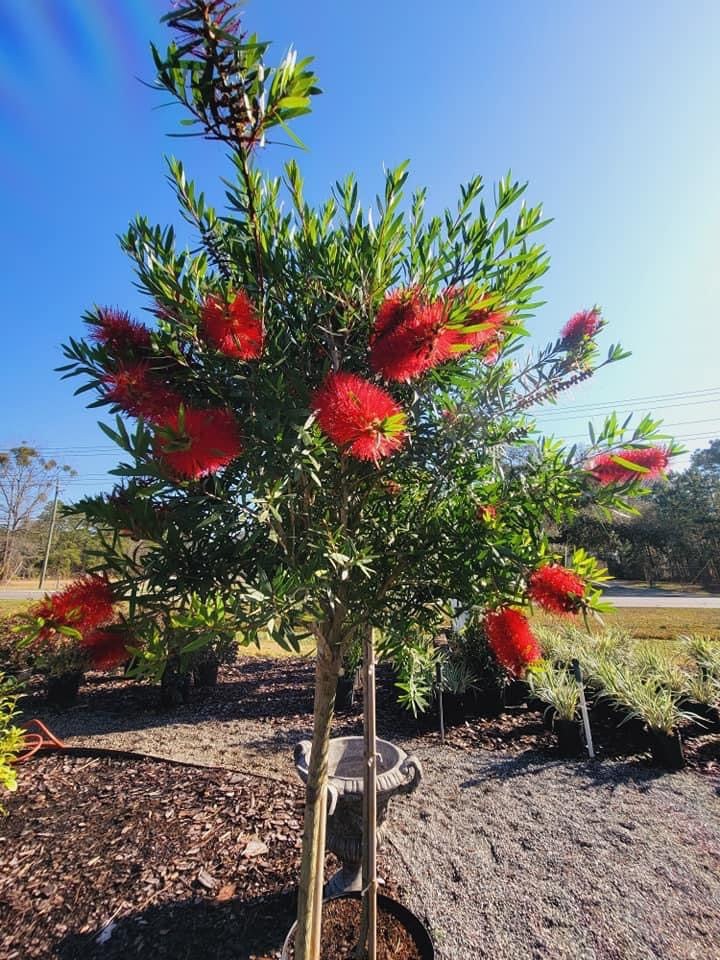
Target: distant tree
(707, 460)
(26, 482)
(674, 534)
(75, 544)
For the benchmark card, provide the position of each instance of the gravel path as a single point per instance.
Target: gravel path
(509, 858)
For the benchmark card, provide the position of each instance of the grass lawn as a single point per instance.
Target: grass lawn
(643, 622)
(648, 623)
(9, 608)
(268, 648)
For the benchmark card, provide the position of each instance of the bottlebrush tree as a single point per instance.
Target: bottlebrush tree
(321, 422)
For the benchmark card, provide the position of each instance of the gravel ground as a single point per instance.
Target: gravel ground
(509, 857)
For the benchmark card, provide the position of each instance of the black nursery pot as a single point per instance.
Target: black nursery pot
(205, 674)
(453, 708)
(174, 684)
(62, 691)
(515, 693)
(412, 924)
(484, 703)
(344, 694)
(568, 735)
(667, 749)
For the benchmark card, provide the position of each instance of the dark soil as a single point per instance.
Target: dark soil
(341, 929)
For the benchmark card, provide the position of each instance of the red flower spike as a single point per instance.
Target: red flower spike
(606, 470)
(198, 442)
(511, 639)
(398, 309)
(557, 589)
(487, 513)
(235, 328)
(105, 649)
(490, 336)
(581, 325)
(405, 350)
(83, 605)
(116, 330)
(359, 416)
(132, 388)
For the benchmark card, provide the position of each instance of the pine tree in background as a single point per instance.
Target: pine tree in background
(324, 411)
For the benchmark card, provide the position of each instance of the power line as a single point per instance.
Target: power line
(654, 398)
(657, 399)
(594, 411)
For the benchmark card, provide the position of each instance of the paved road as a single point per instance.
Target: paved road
(15, 593)
(619, 596)
(685, 601)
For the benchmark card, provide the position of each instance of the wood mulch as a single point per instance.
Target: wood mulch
(125, 859)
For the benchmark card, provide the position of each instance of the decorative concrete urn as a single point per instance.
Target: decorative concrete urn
(396, 773)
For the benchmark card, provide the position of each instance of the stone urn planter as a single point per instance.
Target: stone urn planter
(397, 773)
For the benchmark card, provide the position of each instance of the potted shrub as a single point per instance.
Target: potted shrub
(73, 630)
(658, 709)
(63, 665)
(701, 696)
(559, 690)
(345, 693)
(326, 397)
(458, 681)
(415, 658)
(484, 696)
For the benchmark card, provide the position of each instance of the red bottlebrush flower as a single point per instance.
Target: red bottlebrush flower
(234, 328)
(556, 589)
(583, 324)
(105, 648)
(398, 309)
(487, 513)
(359, 416)
(490, 336)
(198, 442)
(117, 331)
(133, 389)
(606, 470)
(511, 639)
(83, 605)
(410, 336)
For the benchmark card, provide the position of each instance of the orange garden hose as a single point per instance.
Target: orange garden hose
(40, 739)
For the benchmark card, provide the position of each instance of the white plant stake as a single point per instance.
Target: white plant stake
(583, 708)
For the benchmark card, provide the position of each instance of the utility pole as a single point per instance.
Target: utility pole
(51, 531)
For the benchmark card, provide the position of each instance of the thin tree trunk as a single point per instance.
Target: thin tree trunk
(307, 937)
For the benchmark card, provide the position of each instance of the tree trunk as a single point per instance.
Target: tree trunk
(307, 937)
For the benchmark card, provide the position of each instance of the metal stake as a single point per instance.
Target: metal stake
(583, 708)
(439, 683)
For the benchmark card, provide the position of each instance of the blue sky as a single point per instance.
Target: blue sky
(609, 109)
